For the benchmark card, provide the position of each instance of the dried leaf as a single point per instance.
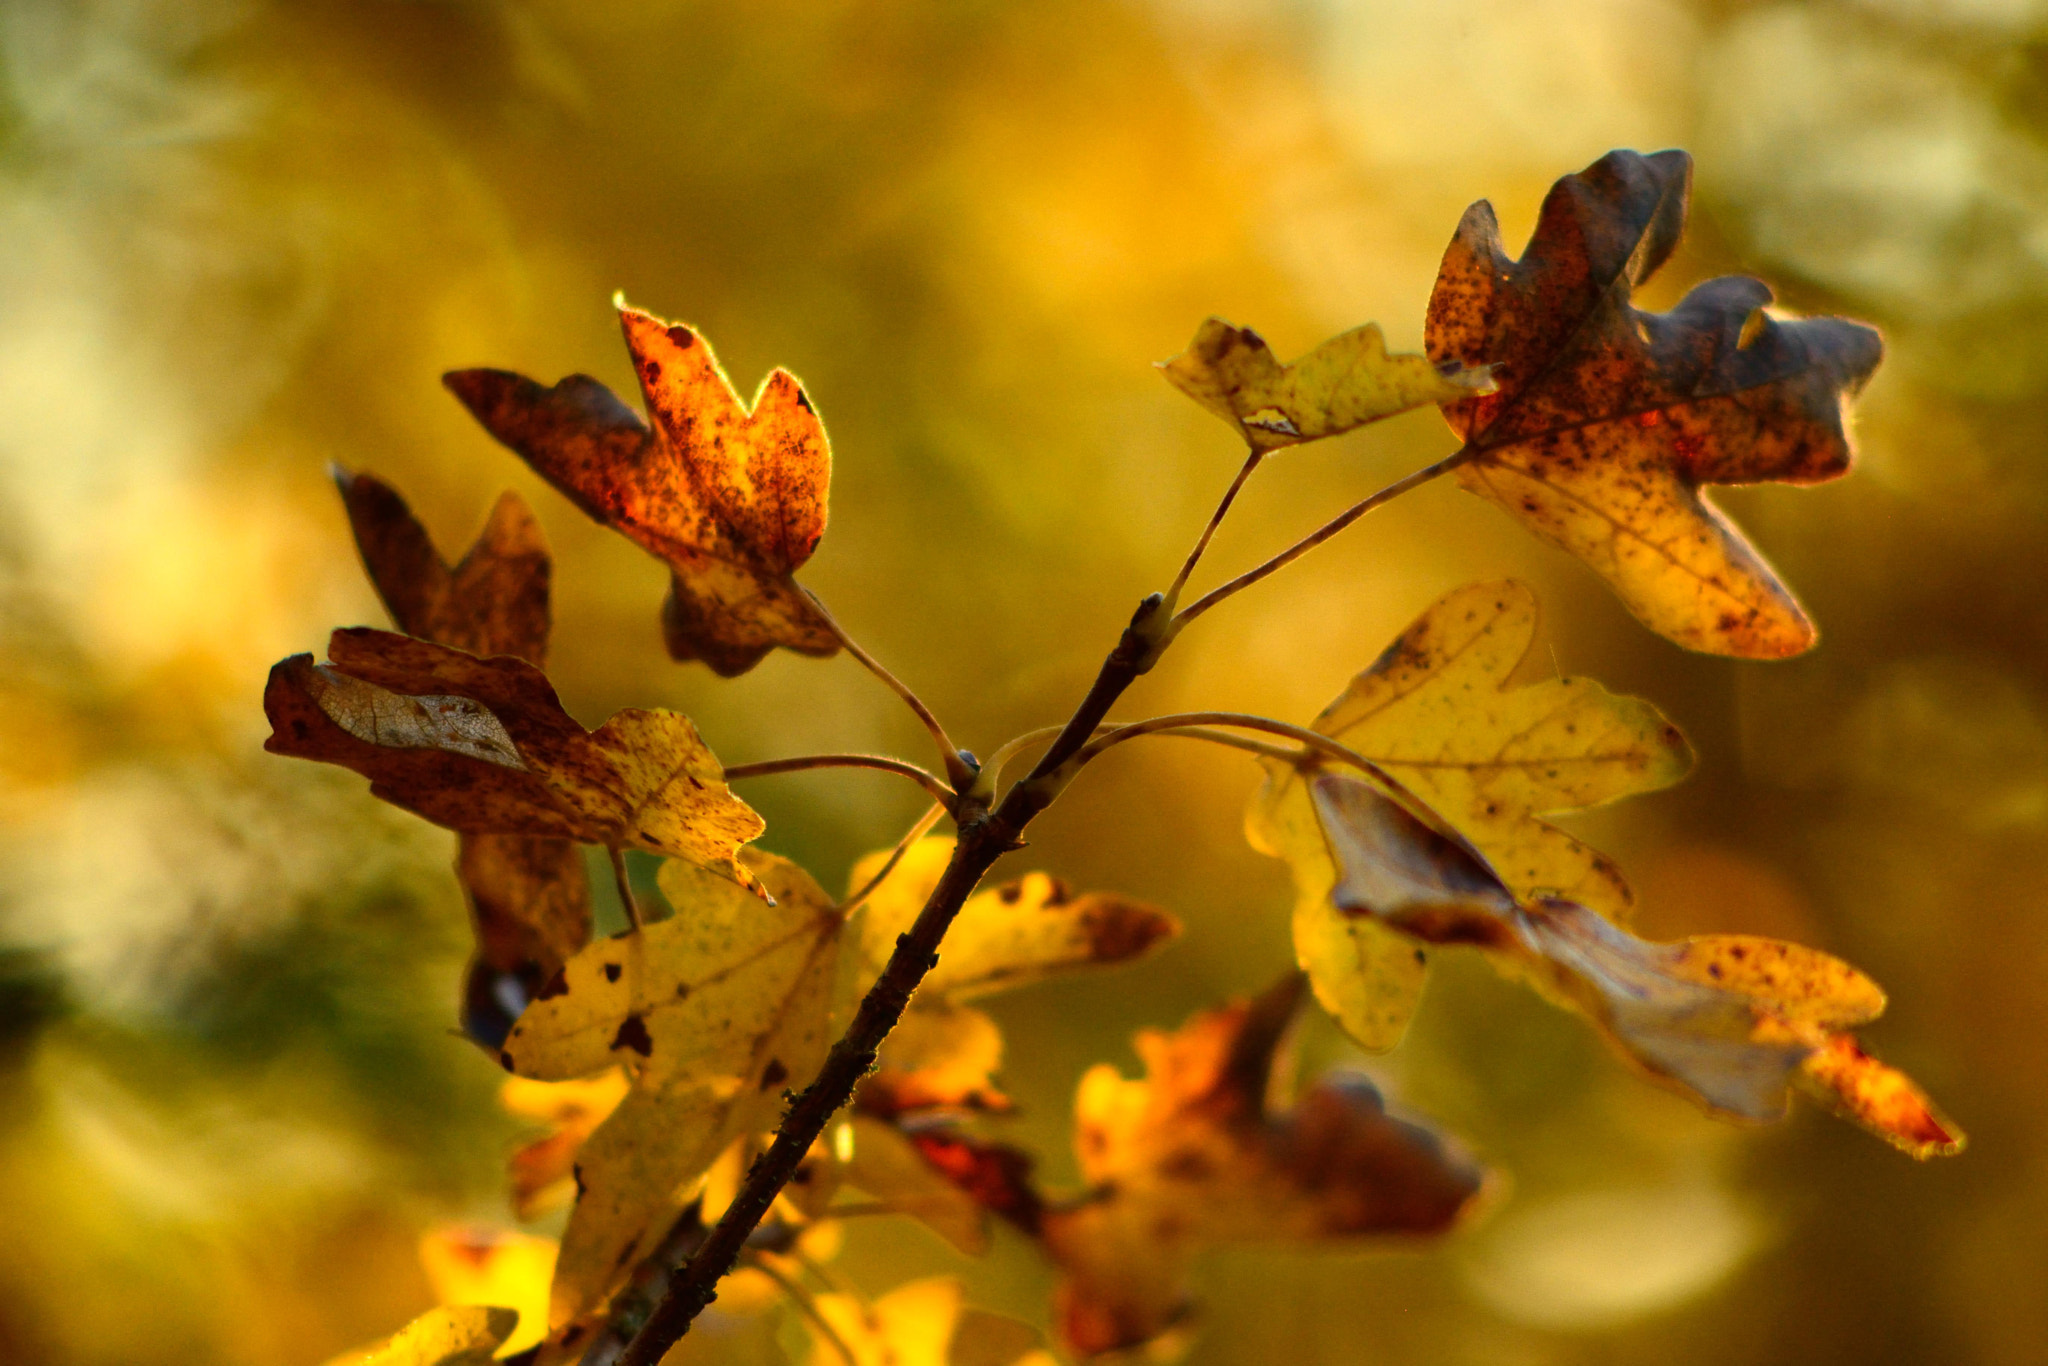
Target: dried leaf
(730, 496)
(1346, 382)
(1193, 1156)
(1607, 420)
(483, 746)
(463, 1336)
(713, 1013)
(528, 898)
(1732, 1020)
(1436, 712)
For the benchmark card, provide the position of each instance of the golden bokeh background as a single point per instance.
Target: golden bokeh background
(242, 238)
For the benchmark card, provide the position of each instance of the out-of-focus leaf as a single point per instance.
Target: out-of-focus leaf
(1192, 1157)
(1608, 420)
(483, 745)
(1436, 712)
(466, 1265)
(920, 1324)
(888, 1166)
(458, 1336)
(1732, 1020)
(529, 898)
(938, 1057)
(542, 1170)
(713, 1014)
(730, 496)
(1346, 382)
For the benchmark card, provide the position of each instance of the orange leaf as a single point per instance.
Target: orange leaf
(1606, 421)
(730, 496)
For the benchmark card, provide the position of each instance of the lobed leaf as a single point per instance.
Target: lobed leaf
(1732, 1020)
(1438, 714)
(484, 746)
(1607, 421)
(1347, 382)
(529, 898)
(730, 496)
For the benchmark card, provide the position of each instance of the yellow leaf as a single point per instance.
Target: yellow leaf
(912, 1325)
(713, 1013)
(1346, 382)
(484, 1266)
(542, 1171)
(460, 1336)
(889, 1168)
(1436, 712)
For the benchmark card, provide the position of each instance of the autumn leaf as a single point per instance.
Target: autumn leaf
(467, 1265)
(1022, 931)
(940, 1056)
(1734, 1021)
(1607, 420)
(1346, 382)
(542, 1171)
(483, 746)
(922, 1323)
(528, 898)
(1194, 1156)
(730, 496)
(1437, 713)
(459, 1336)
(713, 1013)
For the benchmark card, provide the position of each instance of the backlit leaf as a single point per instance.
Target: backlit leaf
(542, 1171)
(529, 898)
(486, 1266)
(1735, 1021)
(730, 496)
(1607, 421)
(461, 1336)
(483, 745)
(713, 1014)
(1436, 711)
(1346, 382)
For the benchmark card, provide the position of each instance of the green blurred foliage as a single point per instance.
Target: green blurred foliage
(245, 236)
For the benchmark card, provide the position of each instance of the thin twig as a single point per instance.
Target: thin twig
(625, 884)
(809, 1308)
(885, 763)
(912, 836)
(956, 767)
(1251, 462)
(1314, 539)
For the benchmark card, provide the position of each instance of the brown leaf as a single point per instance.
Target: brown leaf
(1607, 420)
(730, 496)
(1732, 1020)
(528, 898)
(483, 746)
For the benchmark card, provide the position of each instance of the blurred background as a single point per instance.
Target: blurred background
(243, 239)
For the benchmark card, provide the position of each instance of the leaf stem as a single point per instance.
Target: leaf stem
(957, 770)
(1314, 539)
(1253, 457)
(625, 884)
(915, 833)
(885, 763)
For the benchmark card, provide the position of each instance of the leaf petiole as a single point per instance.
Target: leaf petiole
(958, 772)
(882, 762)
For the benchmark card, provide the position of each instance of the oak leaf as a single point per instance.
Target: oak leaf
(1346, 382)
(529, 899)
(713, 1014)
(449, 1336)
(730, 496)
(1438, 714)
(1734, 1021)
(484, 746)
(1607, 421)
